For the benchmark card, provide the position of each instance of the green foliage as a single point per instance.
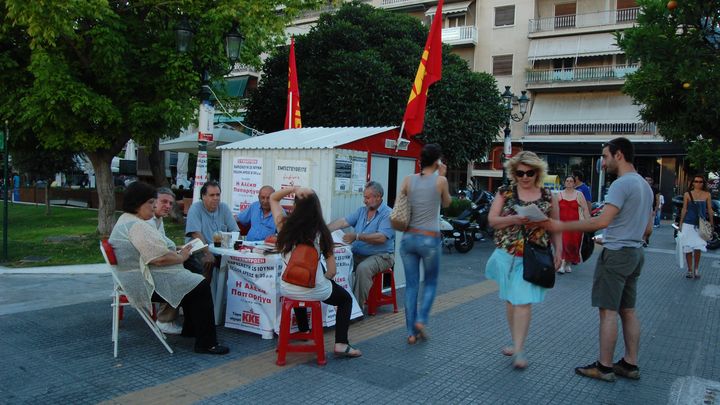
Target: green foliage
(676, 48)
(456, 207)
(704, 156)
(355, 68)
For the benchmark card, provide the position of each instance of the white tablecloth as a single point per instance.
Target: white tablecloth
(247, 287)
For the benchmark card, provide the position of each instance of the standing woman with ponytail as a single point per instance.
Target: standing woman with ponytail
(426, 192)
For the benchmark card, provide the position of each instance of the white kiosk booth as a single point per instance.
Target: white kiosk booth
(335, 162)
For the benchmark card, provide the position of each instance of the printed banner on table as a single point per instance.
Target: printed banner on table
(247, 181)
(253, 301)
(291, 173)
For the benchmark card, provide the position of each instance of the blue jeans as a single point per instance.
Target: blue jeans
(657, 218)
(416, 247)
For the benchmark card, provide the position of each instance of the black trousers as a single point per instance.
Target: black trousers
(199, 313)
(343, 301)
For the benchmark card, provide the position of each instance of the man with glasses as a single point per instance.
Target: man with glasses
(626, 219)
(373, 242)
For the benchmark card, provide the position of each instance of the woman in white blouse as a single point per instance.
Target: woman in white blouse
(150, 269)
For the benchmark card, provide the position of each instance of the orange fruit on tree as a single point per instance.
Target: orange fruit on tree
(672, 5)
(686, 85)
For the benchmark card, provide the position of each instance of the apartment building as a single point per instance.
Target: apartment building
(564, 54)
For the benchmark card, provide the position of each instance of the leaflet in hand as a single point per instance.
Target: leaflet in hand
(196, 244)
(337, 236)
(531, 212)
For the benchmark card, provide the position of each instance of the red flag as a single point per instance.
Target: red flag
(292, 114)
(429, 71)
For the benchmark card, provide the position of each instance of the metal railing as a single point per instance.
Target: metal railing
(391, 3)
(637, 128)
(457, 35)
(596, 19)
(612, 72)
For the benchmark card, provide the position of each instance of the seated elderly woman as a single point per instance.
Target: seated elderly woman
(150, 269)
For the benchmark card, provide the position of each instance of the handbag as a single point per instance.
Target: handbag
(538, 263)
(705, 229)
(400, 215)
(302, 266)
(587, 246)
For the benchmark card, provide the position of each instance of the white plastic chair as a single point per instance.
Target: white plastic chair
(111, 261)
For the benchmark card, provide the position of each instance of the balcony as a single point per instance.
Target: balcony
(587, 22)
(586, 129)
(600, 74)
(460, 35)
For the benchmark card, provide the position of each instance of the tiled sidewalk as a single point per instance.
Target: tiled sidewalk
(64, 354)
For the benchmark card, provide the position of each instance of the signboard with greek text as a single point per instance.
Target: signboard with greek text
(246, 182)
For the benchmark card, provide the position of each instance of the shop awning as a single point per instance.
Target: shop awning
(583, 108)
(573, 46)
(451, 8)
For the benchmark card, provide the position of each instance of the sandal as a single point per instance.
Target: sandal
(507, 351)
(689, 275)
(519, 361)
(349, 351)
(411, 340)
(422, 333)
(697, 275)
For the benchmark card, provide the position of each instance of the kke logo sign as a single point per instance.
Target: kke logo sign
(251, 318)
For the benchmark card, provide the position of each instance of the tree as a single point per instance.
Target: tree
(105, 71)
(356, 67)
(678, 81)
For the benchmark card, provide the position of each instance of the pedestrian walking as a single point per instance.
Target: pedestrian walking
(505, 265)
(696, 205)
(426, 192)
(572, 207)
(627, 219)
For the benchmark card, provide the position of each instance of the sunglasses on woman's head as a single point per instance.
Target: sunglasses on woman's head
(522, 173)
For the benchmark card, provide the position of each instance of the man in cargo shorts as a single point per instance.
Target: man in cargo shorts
(627, 219)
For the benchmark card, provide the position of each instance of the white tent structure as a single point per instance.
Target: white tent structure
(187, 142)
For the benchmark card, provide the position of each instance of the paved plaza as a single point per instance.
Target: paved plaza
(55, 346)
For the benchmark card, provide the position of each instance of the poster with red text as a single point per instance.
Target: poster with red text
(247, 181)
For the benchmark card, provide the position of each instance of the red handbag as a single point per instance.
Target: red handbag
(302, 266)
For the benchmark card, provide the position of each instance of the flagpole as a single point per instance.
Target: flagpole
(290, 110)
(397, 143)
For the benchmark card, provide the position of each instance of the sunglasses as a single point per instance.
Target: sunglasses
(698, 181)
(521, 173)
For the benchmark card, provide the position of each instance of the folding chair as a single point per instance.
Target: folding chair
(117, 304)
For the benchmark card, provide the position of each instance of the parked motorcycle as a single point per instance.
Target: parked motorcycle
(713, 243)
(477, 214)
(457, 233)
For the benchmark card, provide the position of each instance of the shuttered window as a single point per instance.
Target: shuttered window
(502, 65)
(504, 16)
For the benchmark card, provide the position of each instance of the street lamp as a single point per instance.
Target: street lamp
(233, 42)
(507, 100)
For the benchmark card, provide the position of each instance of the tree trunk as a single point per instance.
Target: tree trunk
(157, 165)
(106, 190)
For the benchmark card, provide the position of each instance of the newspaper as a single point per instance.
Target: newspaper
(196, 244)
(337, 236)
(531, 212)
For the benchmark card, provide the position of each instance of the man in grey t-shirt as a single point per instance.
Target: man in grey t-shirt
(627, 219)
(204, 218)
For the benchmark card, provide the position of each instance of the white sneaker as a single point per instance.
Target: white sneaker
(568, 269)
(170, 328)
(561, 270)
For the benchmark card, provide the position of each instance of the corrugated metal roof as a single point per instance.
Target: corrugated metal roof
(307, 138)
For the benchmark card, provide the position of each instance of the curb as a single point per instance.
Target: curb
(99, 268)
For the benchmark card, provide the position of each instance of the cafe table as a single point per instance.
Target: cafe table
(246, 288)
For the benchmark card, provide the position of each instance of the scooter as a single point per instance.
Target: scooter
(477, 214)
(457, 233)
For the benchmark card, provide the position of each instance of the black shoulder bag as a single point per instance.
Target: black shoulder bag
(538, 264)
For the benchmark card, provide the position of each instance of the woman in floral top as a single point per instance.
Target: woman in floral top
(505, 266)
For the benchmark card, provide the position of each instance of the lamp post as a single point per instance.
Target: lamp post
(507, 99)
(233, 41)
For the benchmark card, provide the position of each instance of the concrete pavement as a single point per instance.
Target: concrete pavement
(60, 351)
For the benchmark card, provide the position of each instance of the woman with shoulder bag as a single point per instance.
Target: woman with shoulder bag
(572, 208)
(426, 192)
(505, 266)
(305, 226)
(696, 205)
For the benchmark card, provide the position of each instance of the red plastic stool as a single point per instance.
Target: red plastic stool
(315, 333)
(376, 298)
(124, 301)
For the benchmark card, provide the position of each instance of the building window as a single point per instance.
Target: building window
(502, 65)
(565, 15)
(456, 21)
(504, 15)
